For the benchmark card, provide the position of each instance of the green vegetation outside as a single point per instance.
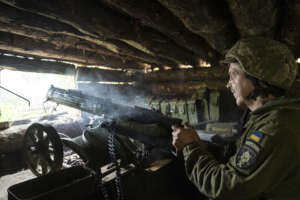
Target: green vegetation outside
(13, 108)
(12, 112)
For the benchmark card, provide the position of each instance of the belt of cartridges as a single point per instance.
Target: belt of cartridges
(112, 154)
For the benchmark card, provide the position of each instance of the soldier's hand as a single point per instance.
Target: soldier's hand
(185, 135)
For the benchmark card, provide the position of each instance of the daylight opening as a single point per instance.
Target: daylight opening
(31, 86)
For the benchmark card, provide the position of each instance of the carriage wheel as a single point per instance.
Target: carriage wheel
(43, 149)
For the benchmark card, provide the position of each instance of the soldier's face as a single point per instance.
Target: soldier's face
(239, 85)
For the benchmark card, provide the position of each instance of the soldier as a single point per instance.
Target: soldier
(266, 164)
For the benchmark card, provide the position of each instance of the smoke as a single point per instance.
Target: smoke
(104, 85)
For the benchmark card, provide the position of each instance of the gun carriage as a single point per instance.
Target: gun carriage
(108, 144)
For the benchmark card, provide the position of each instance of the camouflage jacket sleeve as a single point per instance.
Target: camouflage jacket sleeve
(259, 163)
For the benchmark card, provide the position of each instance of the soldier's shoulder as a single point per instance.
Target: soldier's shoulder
(279, 120)
(284, 113)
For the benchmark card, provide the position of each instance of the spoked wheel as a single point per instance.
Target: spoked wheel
(43, 149)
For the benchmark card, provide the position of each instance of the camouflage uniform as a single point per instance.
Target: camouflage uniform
(267, 161)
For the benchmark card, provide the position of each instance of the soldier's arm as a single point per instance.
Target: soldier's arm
(254, 169)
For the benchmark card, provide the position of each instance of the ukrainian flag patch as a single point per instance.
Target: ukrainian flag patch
(256, 136)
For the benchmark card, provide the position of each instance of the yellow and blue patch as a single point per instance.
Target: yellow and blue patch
(248, 153)
(256, 136)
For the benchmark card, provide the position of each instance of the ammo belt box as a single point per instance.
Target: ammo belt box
(72, 183)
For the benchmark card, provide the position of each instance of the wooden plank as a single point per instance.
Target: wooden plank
(28, 46)
(100, 75)
(217, 73)
(36, 65)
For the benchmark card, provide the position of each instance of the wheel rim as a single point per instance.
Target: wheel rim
(43, 149)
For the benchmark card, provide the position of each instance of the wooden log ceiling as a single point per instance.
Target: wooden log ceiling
(30, 65)
(134, 35)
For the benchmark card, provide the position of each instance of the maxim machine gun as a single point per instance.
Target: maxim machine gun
(105, 141)
(134, 139)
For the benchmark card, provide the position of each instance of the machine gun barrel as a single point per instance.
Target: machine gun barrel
(76, 99)
(100, 106)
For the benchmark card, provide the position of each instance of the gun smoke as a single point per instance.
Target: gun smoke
(105, 87)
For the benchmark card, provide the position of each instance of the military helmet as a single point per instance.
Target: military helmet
(265, 59)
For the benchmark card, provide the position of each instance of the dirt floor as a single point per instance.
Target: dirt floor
(9, 180)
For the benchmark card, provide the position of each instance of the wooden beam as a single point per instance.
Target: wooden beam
(207, 18)
(59, 40)
(15, 16)
(36, 65)
(131, 52)
(168, 77)
(21, 18)
(254, 18)
(23, 23)
(170, 83)
(11, 139)
(177, 88)
(66, 41)
(27, 46)
(84, 74)
(152, 15)
(213, 73)
(103, 22)
(124, 93)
